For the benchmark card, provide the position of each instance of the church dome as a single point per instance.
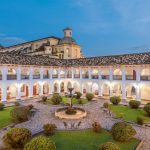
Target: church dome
(67, 40)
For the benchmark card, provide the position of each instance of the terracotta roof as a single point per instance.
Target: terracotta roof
(126, 59)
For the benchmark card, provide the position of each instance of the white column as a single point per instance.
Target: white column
(110, 74)
(50, 73)
(123, 91)
(72, 73)
(58, 87)
(111, 90)
(138, 92)
(41, 89)
(123, 73)
(4, 92)
(4, 73)
(19, 73)
(99, 75)
(80, 73)
(81, 89)
(51, 87)
(99, 89)
(90, 73)
(31, 74)
(41, 73)
(138, 73)
(59, 73)
(18, 92)
(31, 90)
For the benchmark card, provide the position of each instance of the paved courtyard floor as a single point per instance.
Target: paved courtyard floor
(45, 114)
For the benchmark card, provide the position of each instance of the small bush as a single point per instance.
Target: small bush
(19, 114)
(56, 99)
(49, 129)
(115, 100)
(89, 96)
(78, 95)
(109, 146)
(140, 120)
(106, 105)
(44, 99)
(17, 137)
(70, 111)
(29, 107)
(134, 104)
(16, 103)
(80, 101)
(96, 127)
(40, 143)
(147, 108)
(122, 131)
(1, 106)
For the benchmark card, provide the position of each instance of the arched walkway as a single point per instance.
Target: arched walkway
(24, 91)
(145, 74)
(25, 74)
(116, 90)
(11, 74)
(46, 88)
(55, 87)
(95, 74)
(95, 89)
(130, 74)
(130, 92)
(76, 87)
(145, 93)
(105, 74)
(12, 92)
(117, 74)
(85, 88)
(62, 87)
(36, 89)
(105, 89)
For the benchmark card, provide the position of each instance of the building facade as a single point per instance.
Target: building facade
(23, 77)
(54, 47)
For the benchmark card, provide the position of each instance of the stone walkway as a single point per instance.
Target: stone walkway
(45, 114)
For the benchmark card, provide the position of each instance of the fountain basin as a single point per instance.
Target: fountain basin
(61, 113)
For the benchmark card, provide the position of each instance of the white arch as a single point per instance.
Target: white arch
(130, 92)
(145, 92)
(117, 90)
(12, 92)
(95, 88)
(46, 88)
(105, 90)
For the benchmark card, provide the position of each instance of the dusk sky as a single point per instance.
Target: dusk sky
(101, 27)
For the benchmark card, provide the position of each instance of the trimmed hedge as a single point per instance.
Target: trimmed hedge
(89, 96)
(122, 131)
(44, 99)
(49, 129)
(17, 137)
(40, 143)
(115, 100)
(109, 146)
(106, 105)
(19, 114)
(1, 106)
(147, 108)
(96, 127)
(56, 99)
(78, 95)
(140, 120)
(134, 104)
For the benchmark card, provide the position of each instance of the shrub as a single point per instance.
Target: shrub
(134, 104)
(115, 100)
(122, 131)
(44, 99)
(147, 108)
(96, 127)
(78, 95)
(19, 114)
(49, 129)
(89, 96)
(109, 146)
(29, 107)
(56, 99)
(106, 105)
(40, 143)
(80, 101)
(1, 106)
(70, 111)
(17, 137)
(140, 120)
(16, 103)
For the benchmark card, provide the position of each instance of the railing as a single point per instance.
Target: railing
(62, 75)
(105, 77)
(85, 76)
(55, 76)
(11, 77)
(24, 77)
(145, 78)
(117, 77)
(76, 75)
(0, 77)
(36, 76)
(95, 76)
(130, 77)
(46, 76)
(69, 75)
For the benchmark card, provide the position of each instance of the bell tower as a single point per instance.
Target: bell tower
(67, 32)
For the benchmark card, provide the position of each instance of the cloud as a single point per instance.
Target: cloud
(8, 40)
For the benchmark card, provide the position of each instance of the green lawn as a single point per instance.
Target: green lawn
(129, 114)
(5, 117)
(87, 140)
(67, 100)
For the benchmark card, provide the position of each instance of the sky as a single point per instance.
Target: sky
(100, 27)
